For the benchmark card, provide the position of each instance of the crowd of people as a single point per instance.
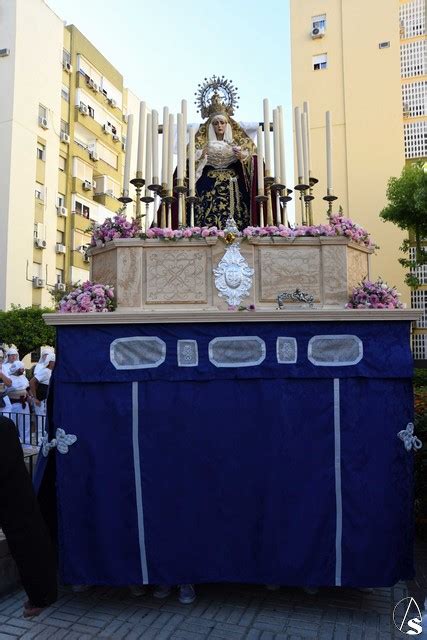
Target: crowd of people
(22, 397)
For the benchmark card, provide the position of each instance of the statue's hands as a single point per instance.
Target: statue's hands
(239, 153)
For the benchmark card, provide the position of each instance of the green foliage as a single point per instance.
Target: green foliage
(420, 378)
(25, 327)
(407, 208)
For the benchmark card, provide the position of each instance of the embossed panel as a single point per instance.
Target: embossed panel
(103, 268)
(334, 275)
(129, 277)
(357, 268)
(176, 275)
(287, 269)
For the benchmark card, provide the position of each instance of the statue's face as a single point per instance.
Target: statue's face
(219, 123)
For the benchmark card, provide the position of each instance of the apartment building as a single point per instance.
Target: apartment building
(63, 127)
(363, 62)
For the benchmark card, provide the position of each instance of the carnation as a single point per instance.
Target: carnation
(374, 295)
(89, 296)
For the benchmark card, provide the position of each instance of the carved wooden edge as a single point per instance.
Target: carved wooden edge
(193, 316)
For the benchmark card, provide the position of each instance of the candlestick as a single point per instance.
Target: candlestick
(298, 140)
(141, 138)
(126, 174)
(180, 146)
(329, 151)
(267, 137)
(184, 128)
(276, 146)
(304, 147)
(306, 110)
(165, 142)
(260, 162)
(169, 175)
(282, 146)
(155, 182)
(191, 163)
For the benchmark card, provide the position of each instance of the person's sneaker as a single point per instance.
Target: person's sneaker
(162, 591)
(187, 595)
(137, 590)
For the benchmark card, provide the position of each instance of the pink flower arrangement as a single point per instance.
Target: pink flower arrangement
(87, 297)
(337, 226)
(374, 295)
(117, 227)
(186, 232)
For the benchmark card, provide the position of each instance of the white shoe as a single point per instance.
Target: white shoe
(187, 595)
(162, 591)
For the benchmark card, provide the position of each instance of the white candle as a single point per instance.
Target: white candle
(282, 146)
(171, 132)
(304, 147)
(165, 141)
(148, 152)
(329, 152)
(155, 144)
(180, 146)
(184, 127)
(260, 162)
(306, 110)
(267, 136)
(126, 173)
(298, 141)
(191, 162)
(141, 138)
(276, 146)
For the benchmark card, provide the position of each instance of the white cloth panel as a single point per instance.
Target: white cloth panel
(237, 351)
(335, 351)
(286, 350)
(187, 353)
(137, 353)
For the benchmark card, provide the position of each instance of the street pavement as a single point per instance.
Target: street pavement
(221, 612)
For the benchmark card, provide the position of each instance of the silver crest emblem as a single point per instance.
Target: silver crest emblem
(233, 275)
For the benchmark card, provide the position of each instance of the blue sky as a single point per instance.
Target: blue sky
(164, 49)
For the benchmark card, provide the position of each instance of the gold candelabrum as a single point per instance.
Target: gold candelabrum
(329, 199)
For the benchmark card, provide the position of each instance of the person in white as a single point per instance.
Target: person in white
(12, 356)
(39, 385)
(16, 383)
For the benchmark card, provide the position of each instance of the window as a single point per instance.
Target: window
(91, 111)
(414, 99)
(413, 59)
(319, 22)
(419, 346)
(65, 93)
(107, 155)
(82, 209)
(38, 191)
(66, 57)
(41, 151)
(42, 111)
(65, 127)
(82, 170)
(60, 236)
(61, 163)
(415, 134)
(61, 200)
(36, 230)
(320, 62)
(419, 301)
(59, 275)
(412, 18)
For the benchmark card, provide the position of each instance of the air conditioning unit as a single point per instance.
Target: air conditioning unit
(4, 53)
(83, 248)
(83, 109)
(43, 123)
(116, 138)
(60, 248)
(107, 128)
(60, 286)
(317, 32)
(38, 283)
(40, 244)
(113, 103)
(67, 66)
(92, 84)
(93, 156)
(87, 185)
(65, 137)
(61, 211)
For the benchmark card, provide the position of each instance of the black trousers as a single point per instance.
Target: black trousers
(22, 523)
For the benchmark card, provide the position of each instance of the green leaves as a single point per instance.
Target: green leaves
(25, 327)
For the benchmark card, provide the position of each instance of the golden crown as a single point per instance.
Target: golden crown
(216, 95)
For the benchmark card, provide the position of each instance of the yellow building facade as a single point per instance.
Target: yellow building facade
(346, 58)
(63, 128)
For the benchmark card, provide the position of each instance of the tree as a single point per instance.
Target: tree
(407, 208)
(25, 327)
